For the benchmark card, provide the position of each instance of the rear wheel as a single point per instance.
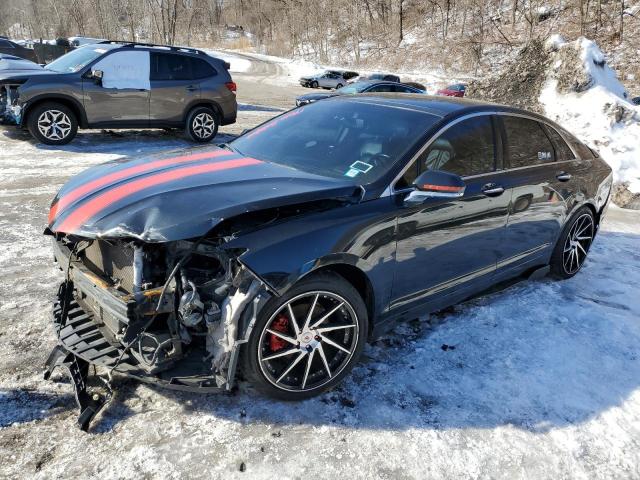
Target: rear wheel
(307, 341)
(52, 123)
(338, 86)
(573, 245)
(202, 124)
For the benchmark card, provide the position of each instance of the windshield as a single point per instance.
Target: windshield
(76, 59)
(353, 88)
(342, 139)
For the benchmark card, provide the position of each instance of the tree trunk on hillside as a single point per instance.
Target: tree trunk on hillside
(401, 37)
(621, 20)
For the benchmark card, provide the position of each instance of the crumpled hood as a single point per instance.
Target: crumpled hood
(180, 195)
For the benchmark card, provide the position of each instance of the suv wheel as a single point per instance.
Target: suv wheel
(202, 124)
(52, 124)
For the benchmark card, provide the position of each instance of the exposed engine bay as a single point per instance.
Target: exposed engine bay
(9, 111)
(173, 314)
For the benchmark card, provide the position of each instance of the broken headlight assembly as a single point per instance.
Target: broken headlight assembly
(10, 111)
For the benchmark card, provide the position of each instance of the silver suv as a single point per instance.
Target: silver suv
(122, 85)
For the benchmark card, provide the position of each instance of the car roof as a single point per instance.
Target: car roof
(434, 105)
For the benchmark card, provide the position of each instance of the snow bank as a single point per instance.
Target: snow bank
(583, 94)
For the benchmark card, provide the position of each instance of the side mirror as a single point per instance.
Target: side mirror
(97, 75)
(435, 183)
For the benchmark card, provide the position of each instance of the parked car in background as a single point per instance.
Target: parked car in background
(12, 48)
(82, 41)
(454, 90)
(328, 79)
(388, 77)
(365, 86)
(417, 85)
(285, 252)
(123, 85)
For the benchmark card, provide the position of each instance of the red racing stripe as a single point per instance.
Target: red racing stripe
(93, 185)
(83, 213)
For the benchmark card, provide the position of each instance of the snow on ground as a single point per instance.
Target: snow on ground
(538, 380)
(599, 114)
(238, 64)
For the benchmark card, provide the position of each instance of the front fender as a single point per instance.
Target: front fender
(362, 236)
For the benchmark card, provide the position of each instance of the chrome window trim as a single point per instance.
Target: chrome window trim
(390, 190)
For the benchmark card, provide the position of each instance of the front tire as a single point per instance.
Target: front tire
(573, 245)
(314, 85)
(52, 123)
(201, 125)
(305, 342)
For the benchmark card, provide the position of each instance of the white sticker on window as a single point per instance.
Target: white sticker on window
(361, 167)
(544, 155)
(352, 173)
(128, 69)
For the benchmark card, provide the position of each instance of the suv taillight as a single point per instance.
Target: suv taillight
(231, 86)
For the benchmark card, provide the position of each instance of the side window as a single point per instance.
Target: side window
(401, 89)
(165, 66)
(563, 152)
(527, 143)
(124, 69)
(467, 148)
(380, 88)
(201, 68)
(6, 44)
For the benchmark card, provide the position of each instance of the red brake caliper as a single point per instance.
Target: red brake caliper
(280, 324)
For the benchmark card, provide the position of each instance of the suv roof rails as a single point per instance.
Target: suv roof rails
(141, 44)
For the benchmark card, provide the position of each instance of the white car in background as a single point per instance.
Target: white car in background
(329, 79)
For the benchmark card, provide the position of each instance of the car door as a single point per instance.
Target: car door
(541, 179)
(122, 96)
(173, 87)
(451, 246)
(323, 80)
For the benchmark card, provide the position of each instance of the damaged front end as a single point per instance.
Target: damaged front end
(173, 314)
(10, 111)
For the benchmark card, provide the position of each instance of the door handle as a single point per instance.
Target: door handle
(192, 88)
(564, 176)
(492, 190)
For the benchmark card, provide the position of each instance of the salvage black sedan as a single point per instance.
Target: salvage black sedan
(279, 255)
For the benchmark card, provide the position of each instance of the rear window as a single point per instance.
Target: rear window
(165, 66)
(201, 69)
(527, 143)
(563, 151)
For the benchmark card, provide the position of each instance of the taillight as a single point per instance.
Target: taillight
(231, 86)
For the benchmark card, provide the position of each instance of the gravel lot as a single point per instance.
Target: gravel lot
(543, 382)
